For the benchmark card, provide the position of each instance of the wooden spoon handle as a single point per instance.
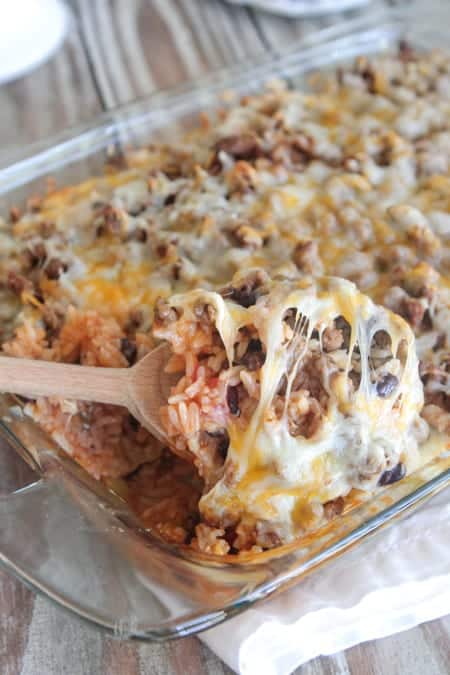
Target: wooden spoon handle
(31, 378)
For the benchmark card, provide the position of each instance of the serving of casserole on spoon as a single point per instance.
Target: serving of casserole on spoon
(292, 394)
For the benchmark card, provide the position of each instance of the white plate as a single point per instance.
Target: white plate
(30, 31)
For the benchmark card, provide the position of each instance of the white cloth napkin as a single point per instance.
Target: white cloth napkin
(388, 584)
(295, 8)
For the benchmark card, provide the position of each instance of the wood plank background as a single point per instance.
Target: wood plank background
(117, 50)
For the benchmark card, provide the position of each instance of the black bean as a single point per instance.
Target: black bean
(255, 345)
(244, 296)
(392, 475)
(249, 289)
(170, 199)
(137, 210)
(222, 441)
(387, 385)
(223, 445)
(129, 350)
(254, 357)
(345, 328)
(382, 339)
(233, 400)
(133, 422)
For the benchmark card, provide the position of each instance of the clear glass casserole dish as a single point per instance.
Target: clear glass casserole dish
(62, 532)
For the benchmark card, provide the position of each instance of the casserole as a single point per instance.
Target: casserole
(176, 580)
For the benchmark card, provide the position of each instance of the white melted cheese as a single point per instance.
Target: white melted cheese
(275, 478)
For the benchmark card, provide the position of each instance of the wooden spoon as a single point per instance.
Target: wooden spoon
(143, 389)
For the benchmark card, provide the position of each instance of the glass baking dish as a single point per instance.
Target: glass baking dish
(66, 535)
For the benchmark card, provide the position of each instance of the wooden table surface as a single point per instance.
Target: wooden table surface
(117, 50)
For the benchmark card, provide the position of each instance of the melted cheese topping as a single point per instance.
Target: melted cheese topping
(359, 168)
(274, 477)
